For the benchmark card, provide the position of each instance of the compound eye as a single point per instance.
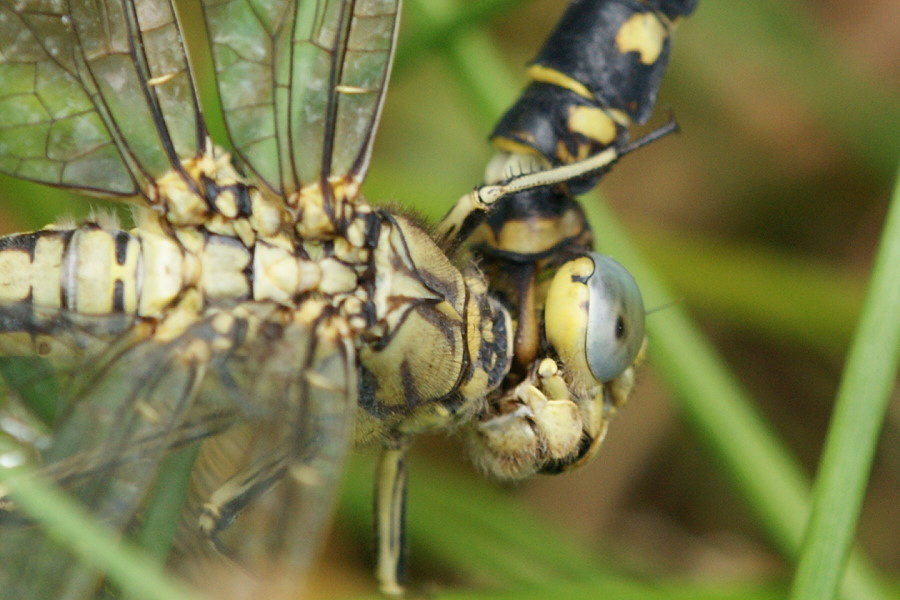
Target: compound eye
(615, 319)
(594, 316)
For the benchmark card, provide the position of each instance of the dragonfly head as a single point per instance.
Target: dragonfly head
(556, 417)
(594, 320)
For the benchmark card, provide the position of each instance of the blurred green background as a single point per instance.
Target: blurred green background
(763, 215)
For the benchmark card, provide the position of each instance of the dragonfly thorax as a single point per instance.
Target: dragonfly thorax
(208, 191)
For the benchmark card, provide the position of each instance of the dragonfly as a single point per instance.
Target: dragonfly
(260, 311)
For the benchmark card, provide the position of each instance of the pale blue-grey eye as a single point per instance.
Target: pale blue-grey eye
(615, 319)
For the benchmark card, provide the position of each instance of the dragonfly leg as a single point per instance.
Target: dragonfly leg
(471, 209)
(390, 522)
(539, 424)
(233, 496)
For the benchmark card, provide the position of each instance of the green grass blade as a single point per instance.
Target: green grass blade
(444, 24)
(589, 590)
(862, 400)
(131, 570)
(166, 502)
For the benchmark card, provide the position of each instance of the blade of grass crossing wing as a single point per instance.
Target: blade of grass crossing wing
(127, 567)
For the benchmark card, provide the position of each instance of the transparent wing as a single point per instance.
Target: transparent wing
(302, 83)
(141, 399)
(137, 391)
(94, 95)
(263, 494)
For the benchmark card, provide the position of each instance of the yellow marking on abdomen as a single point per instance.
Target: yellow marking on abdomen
(30, 268)
(642, 33)
(549, 75)
(15, 275)
(593, 123)
(96, 284)
(46, 276)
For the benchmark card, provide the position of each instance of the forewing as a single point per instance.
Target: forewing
(302, 83)
(94, 95)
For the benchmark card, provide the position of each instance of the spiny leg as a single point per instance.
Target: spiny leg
(233, 496)
(471, 209)
(390, 518)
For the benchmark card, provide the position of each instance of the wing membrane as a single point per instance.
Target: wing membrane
(138, 390)
(278, 472)
(280, 404)
(302, 84)
(366, 67)
(94, 95)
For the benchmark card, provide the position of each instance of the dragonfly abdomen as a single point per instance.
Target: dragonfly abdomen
(64, 288)
(93, 271)
(82, 270)
(58, 286)
(597, 73)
